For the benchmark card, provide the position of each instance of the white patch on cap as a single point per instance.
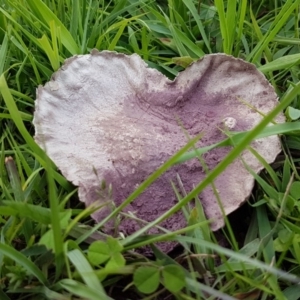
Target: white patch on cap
(230, 122)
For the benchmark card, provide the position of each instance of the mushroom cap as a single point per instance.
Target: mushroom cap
(107, 116)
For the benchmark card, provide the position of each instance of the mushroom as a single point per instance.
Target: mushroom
(109, 117)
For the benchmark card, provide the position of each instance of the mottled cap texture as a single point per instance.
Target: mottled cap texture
(108, 117)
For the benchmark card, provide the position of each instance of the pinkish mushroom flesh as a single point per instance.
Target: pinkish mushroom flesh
(107, 116)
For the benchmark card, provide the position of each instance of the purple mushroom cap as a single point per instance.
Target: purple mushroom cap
(108, 117)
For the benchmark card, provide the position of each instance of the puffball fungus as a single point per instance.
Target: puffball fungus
(107, 116)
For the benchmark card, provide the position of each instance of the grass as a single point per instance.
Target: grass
(49, 246)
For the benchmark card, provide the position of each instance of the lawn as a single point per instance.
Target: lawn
(50, 246)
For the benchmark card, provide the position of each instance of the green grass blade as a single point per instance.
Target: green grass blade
(231, 15)
(268, 168)
(27, 33)
(23, 261)
(55, 219)
(41, 9)
(242, 13)
(3, 53)
(268, 189)
(15, 114)
(45, 45)
(85, 270)
(3, 296)
(257, 30)
(241, 257)
(14, 176)
(279, 22)
(190, 5)
(284, 62)
(14, 179)
(85, 28)
(286, 174)
(264, 228)
(117, 36)
(81, 290)
(36, 213)
(204, 290)
(75, 17)
(177, 40)
(196, 52)
(236, 138)
(223, 25)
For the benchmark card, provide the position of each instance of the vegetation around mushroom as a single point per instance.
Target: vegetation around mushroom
(50, 247)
